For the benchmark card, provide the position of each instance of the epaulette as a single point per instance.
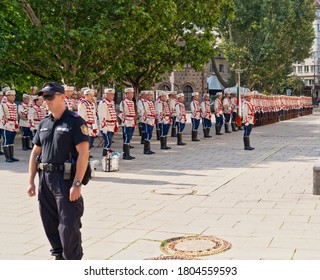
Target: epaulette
(74, 114)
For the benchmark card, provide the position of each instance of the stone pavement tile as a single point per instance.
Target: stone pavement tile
(314, 219)
(264, 254)
(313, 234)
(301, 254)
(103, 250)
(182, 229)
(301, 226)
(125, 235)
(303, 212)
(161, 235)
(295, 243)
(287, 218)
(224, 210)
(145, 224)
(266, 211)
(205, 219)
(241, 218)
(257, 242)
(17, 248)
(96, 232)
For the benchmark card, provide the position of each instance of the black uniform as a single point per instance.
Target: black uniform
(60, 216)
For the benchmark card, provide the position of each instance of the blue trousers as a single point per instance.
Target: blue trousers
(219, 120)
(195, 124)
(8, 137)
(173, 121)
(107, 137)
(234, 115)
(148, 132)
(1, 133)
(127, 133)
(227, 118)
(61, 218)
(26, 132)
(164, 129)
(206, 123)
(247, 130)
(180, 126)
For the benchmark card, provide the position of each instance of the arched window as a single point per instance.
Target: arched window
(165, 87)
(187, 90)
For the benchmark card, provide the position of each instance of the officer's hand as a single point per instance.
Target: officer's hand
(32, 190)
(75, 193)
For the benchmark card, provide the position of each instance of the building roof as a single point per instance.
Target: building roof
(213, 83)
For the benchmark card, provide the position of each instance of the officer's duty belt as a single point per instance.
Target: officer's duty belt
(48, 167)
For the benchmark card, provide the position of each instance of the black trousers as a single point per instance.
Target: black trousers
(61, 218)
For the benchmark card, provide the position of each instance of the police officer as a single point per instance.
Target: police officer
(206, 115)
(108, 119)
(248, 119)
(1, 125)
(62, 138)
(163, 119)
(87, 110)
(218, 111)
(128, 118)
(181, 118)
(10, 125)
(195, 116)
(23, 110)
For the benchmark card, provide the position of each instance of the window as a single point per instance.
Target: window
(299, 69)
(306, 69)
(312, 69)
(221, 68)
(165, 87)
(211, 68)
(187, 90)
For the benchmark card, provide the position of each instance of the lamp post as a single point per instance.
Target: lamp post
(238, 72)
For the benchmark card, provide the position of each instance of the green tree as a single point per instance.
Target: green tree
(104, 41)
(265, 37)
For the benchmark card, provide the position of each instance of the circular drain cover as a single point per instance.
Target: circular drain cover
(172, 258)
(174, 191)
(194, 246)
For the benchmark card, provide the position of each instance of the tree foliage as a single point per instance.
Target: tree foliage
(265, 37)
(103, 41)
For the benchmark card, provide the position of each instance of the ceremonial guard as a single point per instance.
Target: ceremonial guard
(33, 92)
(1, 125)
(206, 115)
(10, 125)
(87, 110)
(181, 118)
(140, 108)
(157, 123)
(163, 119)
(218, 111)
(128, 118)
(68, 91)
(173, 114)
(248, 119)
(149, 114)
(4, 90)
(195, 116)
(227, 111)
(75, 101)
(23, 111)
(36, 113)
(108, 119)
(234, 110)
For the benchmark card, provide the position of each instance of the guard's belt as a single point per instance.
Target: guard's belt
(48, 167)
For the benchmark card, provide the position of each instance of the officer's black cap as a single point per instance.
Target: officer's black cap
(51, 88)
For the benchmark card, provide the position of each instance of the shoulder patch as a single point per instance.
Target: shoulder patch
(84, 129)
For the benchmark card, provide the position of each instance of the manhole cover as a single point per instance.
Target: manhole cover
(174, 191)
(194, 246)
(172, 258)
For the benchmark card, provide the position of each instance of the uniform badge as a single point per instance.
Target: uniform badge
(84, 129)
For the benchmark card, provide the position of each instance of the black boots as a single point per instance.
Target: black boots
(206, 132)
(173, 131)
(126, 152)
(1, 153)
(179, 139)
(163, 143)
(24, 143)
(143, 135)
(226, 128)
(246, 141)
(194, 134)
(218, 129)
(233, 126)
(147, 150)
(8, 153)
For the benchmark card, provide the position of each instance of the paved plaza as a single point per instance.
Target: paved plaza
(260, 201)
